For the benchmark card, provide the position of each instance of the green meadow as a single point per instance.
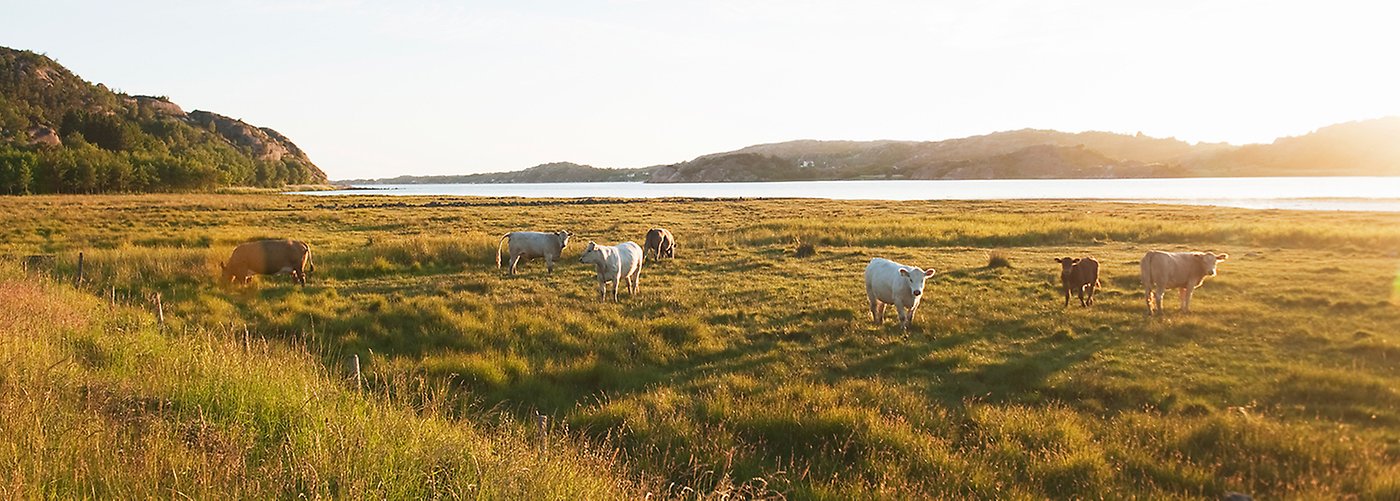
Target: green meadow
(738, 370)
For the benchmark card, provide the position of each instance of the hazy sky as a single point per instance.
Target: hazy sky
(375, 89)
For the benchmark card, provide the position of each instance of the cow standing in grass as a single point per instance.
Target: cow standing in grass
(659, 243)
(1185, 271)
(888, 282)
(615, 263)
(527, 245)
(269, 257)
(1080, 276)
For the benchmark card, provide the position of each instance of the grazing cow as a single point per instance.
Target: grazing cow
(1176, 270)
(888, 282)
(527, 245)
(660, 243)
(1080, 276)
(269, 257)
(615, 263)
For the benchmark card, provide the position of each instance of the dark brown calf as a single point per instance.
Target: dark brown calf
(1080, 276)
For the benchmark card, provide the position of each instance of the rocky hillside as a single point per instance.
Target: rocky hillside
(62, 134)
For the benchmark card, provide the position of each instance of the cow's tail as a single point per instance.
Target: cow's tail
(498, 248)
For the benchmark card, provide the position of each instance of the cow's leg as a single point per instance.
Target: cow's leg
(1186, 299)
(880, 317)
(1066, 291)
(617, 284)
(514, 262)
(875, 309)
(1081, 297)
(549, 264)
(602, 291)
(903, 315)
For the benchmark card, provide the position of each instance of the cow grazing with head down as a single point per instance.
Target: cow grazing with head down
(269, 257)
(659, 243)
(527, 245)
(1176, 270)
(888, 282)
(615, 263)
(1080, 276)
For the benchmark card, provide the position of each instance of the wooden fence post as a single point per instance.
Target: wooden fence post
(160, 311)
(78, 281)
(354, 365)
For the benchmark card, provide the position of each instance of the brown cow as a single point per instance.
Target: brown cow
(1185, 271)
(269, 257)
(660, 242)
(1080, 276)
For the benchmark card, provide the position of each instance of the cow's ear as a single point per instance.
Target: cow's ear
(904, 272)
(1059, 260)
(1222, 257)
(1076, 261)
(930, 272)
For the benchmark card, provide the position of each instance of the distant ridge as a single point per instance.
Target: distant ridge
(557, 172)
(1361, 148)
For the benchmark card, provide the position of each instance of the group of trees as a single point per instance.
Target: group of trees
(80, 166)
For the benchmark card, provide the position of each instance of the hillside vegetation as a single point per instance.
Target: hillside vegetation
(61, 134)
(740, 369)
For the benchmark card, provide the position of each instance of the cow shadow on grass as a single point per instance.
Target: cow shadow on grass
(951, 376)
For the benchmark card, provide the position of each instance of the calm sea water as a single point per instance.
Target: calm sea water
(1295, 193)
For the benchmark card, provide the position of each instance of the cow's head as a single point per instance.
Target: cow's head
(591, 254)
(1066, 263)
(563, 238)
(1208, 261)
(915, 277)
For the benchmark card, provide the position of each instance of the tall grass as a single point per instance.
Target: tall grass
(99, 403)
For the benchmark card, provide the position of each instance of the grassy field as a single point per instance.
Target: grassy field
(738, 369)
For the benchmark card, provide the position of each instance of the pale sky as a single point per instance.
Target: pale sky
(379, 89)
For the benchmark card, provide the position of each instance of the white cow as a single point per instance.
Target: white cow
(615, 263)
(527, 245)
(888, 282)
(1176, 270)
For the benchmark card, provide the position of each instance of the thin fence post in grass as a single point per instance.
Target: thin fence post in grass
(542, 421)
(78, 279)
(160, 312)
(353, 364)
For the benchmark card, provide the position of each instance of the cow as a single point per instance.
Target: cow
(615, 263)
(527, 245)
(269, 257)
(888, 282)
(1176, 270)
(1080, 276)
(660, 243)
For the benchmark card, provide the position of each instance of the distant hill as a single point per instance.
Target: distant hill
(62, 134)
(557, 172)
(1370, 147)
